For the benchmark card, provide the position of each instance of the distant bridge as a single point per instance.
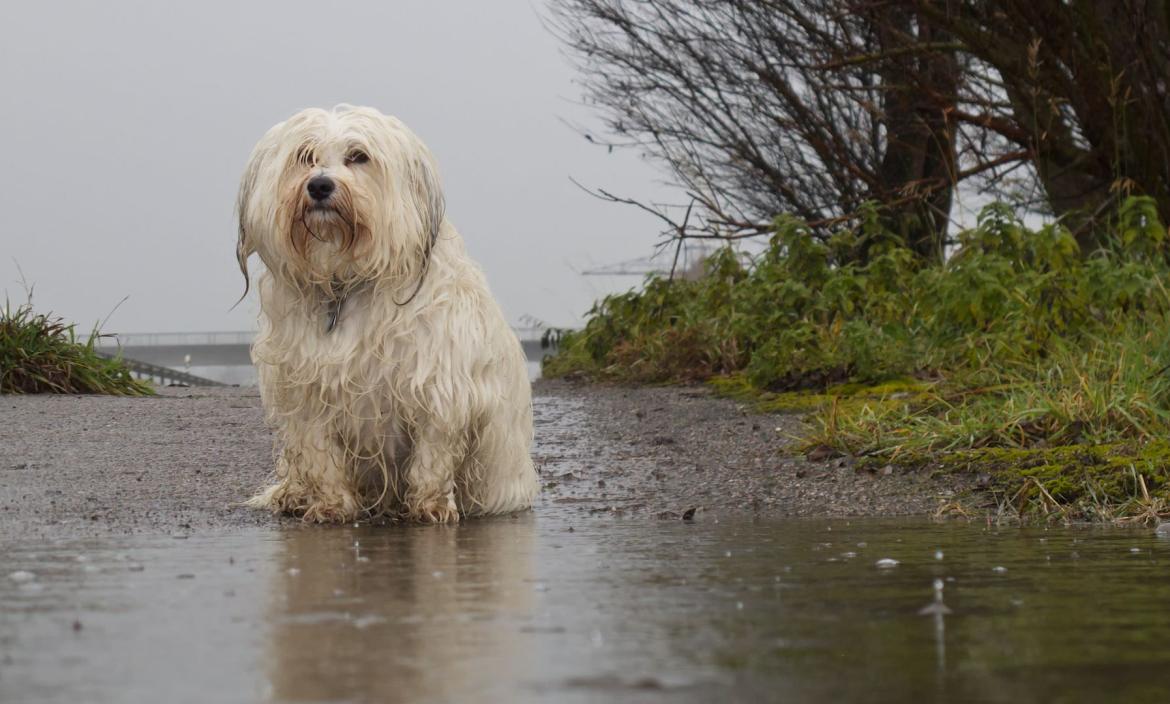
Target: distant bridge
(180, 350)
(163, 375)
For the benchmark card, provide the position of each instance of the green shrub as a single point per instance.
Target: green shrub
(807, 313)
(1019, 343)
(41, 354)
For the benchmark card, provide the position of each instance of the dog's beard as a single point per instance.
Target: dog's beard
(327, 238)
(332, 224)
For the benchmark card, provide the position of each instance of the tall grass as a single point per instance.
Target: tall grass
(39, 353)
(807, 314)
(1019, 342)
(1099, 391)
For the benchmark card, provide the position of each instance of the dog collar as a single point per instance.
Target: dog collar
(334, 305)
(333, 312)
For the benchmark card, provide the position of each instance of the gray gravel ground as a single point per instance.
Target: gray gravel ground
(173, 463)
(178, 462)
(664, 450)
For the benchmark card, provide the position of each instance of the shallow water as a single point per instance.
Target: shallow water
(553, 607)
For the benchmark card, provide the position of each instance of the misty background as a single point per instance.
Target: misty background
(127, 125)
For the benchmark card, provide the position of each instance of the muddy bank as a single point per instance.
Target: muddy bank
(178, 462)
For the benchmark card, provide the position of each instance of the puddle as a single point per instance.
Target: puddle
(525, 609)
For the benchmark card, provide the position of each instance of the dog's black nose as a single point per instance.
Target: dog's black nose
(320, 187)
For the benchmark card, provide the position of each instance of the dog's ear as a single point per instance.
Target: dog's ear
(427, 192)
(244, 245)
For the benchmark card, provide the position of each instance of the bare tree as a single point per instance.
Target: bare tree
(804, 107)
(1077, 89)
(814, 107)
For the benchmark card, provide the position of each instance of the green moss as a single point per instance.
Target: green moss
(850, 397)
(884, 389)
(1084, 481)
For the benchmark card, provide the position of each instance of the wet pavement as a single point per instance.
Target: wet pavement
(552, 607)
(126, 575)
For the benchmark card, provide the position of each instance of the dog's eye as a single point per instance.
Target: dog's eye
(356, 157)
(306, 157)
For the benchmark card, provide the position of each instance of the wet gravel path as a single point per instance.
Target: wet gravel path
(177, 463)
(173, 463)
(664, 450)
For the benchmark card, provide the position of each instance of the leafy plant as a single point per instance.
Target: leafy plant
(1019, 342)
(39, 353)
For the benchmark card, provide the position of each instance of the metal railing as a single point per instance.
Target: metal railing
(164, 375)
(158, 339)
(231, 337)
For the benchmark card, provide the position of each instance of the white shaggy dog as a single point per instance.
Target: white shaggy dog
(386, 367)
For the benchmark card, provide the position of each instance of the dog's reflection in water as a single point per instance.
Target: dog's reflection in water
(401, 613)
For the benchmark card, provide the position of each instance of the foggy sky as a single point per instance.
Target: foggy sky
(126, 126)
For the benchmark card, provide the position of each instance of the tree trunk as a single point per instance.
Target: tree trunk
(1085, 83)
(919, 157)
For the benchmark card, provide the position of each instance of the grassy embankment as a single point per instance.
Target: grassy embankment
(42, 354)
(1041, 369)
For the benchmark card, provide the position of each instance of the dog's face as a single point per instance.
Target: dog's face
(337, 197)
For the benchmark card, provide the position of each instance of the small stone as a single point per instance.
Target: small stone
(821, 453)
(886, 563)
(363, 622)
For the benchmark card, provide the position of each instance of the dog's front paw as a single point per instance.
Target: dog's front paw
(438, 510)
(271, 499)
(337, 509)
